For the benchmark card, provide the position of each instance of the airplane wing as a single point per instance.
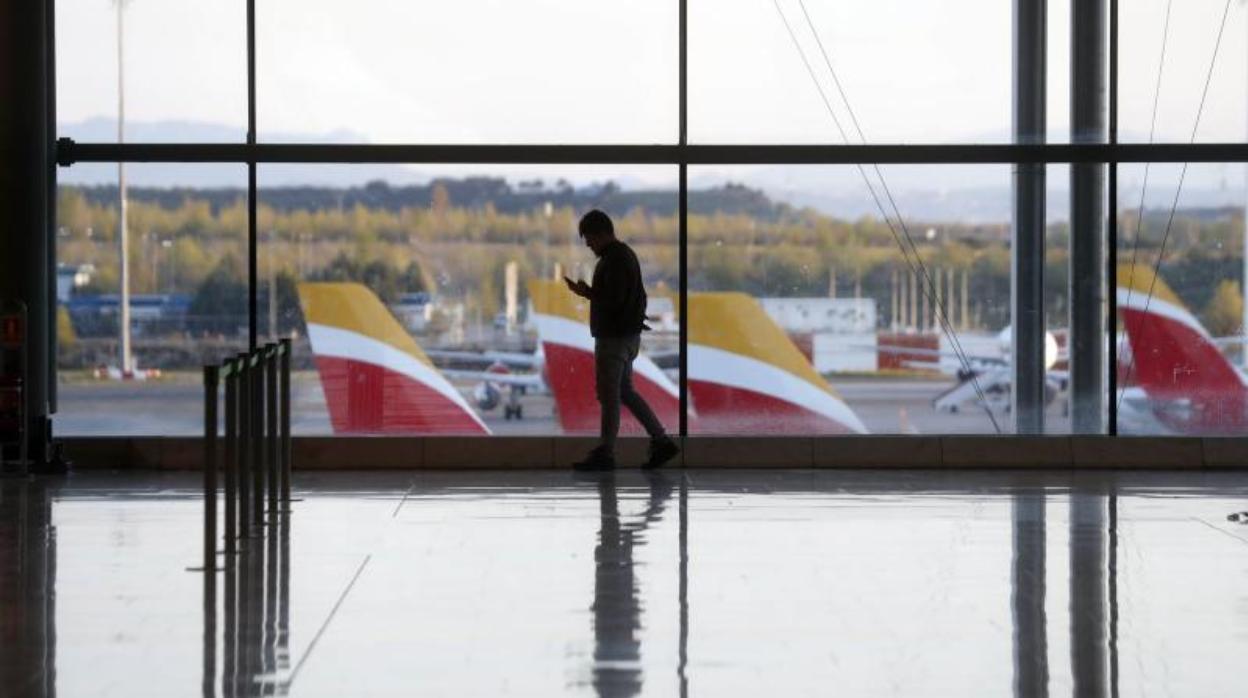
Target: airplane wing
(525, 380)
(511, 359)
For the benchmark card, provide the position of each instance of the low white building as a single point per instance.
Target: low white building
(822, 315)
(70, 277)
(414, 310)
(841, 331)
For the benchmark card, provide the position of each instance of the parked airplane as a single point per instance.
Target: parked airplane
(562, 321)
(375, 377)
(1183, 380)
(498, 377)
(746, 375)
(984, 379)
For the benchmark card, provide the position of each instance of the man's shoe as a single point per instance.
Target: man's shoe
(595, 460)
(661, 451)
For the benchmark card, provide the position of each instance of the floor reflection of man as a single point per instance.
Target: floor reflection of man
(616, 608)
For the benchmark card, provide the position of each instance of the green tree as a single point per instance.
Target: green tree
(65, 335)
(220, 302)
(1224, 313)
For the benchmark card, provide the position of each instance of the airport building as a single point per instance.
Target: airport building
(670, 347)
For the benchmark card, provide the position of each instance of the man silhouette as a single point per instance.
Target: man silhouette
(617, 316)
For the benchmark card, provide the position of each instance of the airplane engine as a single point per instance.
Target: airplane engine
(486, 396)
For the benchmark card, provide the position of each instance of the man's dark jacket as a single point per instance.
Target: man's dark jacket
(617, 307)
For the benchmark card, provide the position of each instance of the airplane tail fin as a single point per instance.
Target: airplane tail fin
(746, 375)
(562, 321)
(1175, 358)
(376, 379)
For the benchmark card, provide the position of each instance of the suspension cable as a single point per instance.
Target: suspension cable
(1161, 253)
(928, 286)
(1139, 223)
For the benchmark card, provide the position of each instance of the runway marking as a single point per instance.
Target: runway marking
(316, 638)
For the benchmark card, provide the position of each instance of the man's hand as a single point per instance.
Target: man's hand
(578, 287)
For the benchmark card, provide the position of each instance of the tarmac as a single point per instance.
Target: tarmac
(175, 408)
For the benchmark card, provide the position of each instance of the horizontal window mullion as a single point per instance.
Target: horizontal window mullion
(70, 152)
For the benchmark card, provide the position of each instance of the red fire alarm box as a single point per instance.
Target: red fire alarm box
(13, 384)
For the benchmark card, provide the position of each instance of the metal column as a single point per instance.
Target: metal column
(1027, 251)
(25, 268)
(1088, 63)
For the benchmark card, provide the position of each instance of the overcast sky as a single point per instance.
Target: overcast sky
(585, 71)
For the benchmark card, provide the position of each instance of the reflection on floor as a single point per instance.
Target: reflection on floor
(673, 583)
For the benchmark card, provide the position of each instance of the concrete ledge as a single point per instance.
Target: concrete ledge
(495, 452)
(479, 453)
(1005, 452)
(332, 453)
(1137, 452)
(630, 452)
(1225, 452)
(749, 452)
(876, 452)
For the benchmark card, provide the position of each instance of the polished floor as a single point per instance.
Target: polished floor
(681, 583)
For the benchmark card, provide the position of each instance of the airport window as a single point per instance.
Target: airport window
(1179, 340)
(837, 209)
(432, 300)
(185, 76)
(1165, 55)
(471, 71)
(928, 73)
(187, 246)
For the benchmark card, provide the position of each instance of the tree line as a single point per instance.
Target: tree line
(453, 239)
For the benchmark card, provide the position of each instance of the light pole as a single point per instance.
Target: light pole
(548, 210)
(123, 244)
(167, 245)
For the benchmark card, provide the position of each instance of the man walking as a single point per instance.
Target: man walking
(617, 316)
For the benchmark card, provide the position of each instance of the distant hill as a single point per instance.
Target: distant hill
(964, 193)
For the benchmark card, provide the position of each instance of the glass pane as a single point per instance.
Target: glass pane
(475, 71)
(1180, 300)
(913, 72)
(1189, 44)
(438, 307)
(805, 317)
(188, 296)
(185, 70)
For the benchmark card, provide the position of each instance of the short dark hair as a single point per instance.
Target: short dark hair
(596, 222)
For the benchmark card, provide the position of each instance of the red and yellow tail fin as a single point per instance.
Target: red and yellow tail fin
(376, 379)
(1173, 356)
(562, 321)
(747, 376)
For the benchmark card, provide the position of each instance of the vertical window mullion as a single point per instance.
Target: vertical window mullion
(683, 214)
(252, 262)
(1111, 232)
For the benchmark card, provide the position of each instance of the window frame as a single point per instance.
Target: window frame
(680, 154)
